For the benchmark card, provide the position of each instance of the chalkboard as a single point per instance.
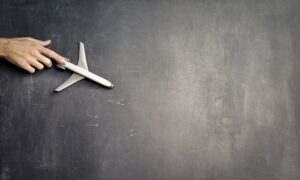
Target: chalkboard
(203, 90)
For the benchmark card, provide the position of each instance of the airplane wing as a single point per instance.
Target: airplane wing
(82, 59)
(75, 77)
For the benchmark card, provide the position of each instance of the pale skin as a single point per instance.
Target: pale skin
(28, 53)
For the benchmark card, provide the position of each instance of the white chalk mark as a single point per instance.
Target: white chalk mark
(131, 132)
(95, 116)
(116, 102)
(93, 125)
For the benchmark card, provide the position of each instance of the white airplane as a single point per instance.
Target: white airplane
(81, 71)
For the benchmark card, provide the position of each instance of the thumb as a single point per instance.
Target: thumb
(46, 43)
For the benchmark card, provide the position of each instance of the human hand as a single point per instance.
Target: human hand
(28, 53)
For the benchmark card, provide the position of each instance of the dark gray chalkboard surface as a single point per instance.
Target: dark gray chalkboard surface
(205, 89)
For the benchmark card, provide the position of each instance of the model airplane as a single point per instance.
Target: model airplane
(81, 71)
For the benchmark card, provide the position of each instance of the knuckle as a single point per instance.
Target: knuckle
(36, 45)
(31, 44)
(22, 63)
(51, 52)
(34, 52)
(47, 51)
(39, 48)
(28, 57)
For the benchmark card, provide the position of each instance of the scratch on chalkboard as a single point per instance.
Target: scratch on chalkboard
(116, 102)
(131, 132)
(38, 105)
(30, 89)
(93, 125)
(3, 90)
(95, 91)
(95, 116)
(5, 173)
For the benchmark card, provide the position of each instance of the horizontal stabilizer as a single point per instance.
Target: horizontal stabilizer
(73, 79)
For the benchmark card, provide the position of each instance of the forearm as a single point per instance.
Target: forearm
(3, 42)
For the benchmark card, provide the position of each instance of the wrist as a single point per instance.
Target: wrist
(3, 42)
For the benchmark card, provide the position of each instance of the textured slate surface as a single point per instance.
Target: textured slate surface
(204, 90)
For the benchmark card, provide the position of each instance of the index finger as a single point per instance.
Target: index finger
(53, 55)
